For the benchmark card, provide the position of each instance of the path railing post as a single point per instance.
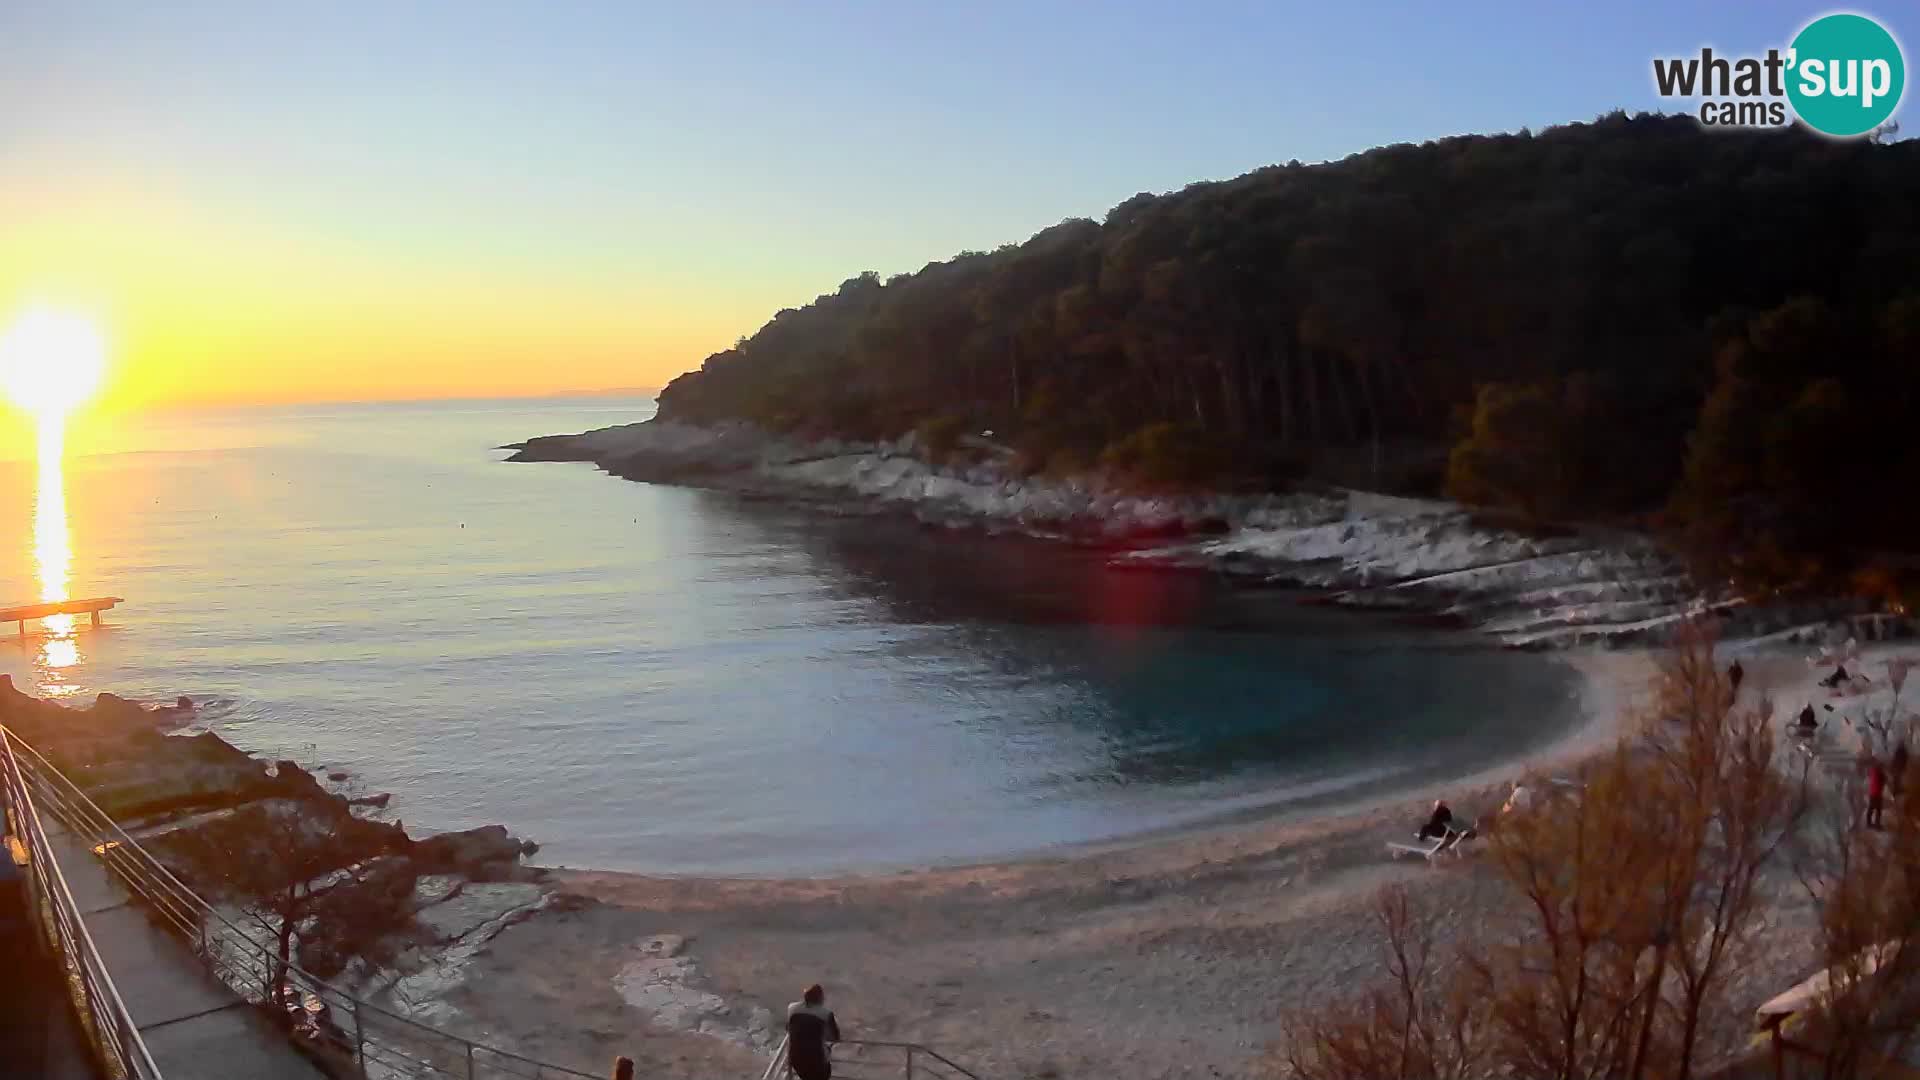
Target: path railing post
(359, 1037)
(909, 1063)
(469, 1061)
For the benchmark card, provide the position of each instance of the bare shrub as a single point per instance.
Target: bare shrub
(1631, 905)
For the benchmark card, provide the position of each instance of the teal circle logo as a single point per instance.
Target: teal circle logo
(1846, 74)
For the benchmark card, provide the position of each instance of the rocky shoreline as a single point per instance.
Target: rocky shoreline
(1424, 559)
(166, 786)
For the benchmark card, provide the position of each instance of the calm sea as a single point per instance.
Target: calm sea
(661, 679)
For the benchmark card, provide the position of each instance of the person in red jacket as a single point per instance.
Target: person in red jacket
(1876, 791)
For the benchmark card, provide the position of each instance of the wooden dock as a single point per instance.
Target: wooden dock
(93, 606)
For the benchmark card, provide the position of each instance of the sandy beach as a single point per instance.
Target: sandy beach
(1170, 957)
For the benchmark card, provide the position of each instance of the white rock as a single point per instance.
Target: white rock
(658, 980)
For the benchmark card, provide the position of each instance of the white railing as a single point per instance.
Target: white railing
(379, 1043)
(872, 1059)
(109, 1029)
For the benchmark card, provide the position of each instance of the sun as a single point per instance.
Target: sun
(52, 360)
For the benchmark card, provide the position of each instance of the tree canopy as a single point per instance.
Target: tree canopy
(1618, 317)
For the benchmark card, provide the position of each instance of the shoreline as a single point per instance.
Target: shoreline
(1035, 965)
(1421, 558)
(1608, 685)
(1041, 966)
(1590, 721)
(495, 903)
(1028, 966)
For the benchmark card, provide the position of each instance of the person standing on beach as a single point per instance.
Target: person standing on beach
(1876, 791)
(1518, 799)
(1734, 675)
(811, 1026)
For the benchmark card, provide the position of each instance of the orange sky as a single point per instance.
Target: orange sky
(359, 200)
(202, 308)
(375, 202)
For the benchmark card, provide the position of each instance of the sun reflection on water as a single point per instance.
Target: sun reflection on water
(53, 558)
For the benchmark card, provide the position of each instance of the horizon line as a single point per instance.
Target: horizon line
(420, 399)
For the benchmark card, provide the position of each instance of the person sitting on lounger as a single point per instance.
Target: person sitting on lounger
(1439, 823)
(1834, 680)
(1807, 722)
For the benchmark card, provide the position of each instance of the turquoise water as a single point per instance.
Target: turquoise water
(662, 679)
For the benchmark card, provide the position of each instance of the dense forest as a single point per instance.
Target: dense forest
(1635, 319)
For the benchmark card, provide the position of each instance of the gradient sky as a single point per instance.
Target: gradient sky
(383, 200)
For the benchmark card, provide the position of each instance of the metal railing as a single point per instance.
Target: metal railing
(872, 1059)
(103, 1017)
(345, 1033)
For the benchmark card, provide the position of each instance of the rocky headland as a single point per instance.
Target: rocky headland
(1422, 558)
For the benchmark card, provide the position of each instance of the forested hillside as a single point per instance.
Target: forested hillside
(1715, 329)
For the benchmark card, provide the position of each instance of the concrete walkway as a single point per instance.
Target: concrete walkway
(195, 1027)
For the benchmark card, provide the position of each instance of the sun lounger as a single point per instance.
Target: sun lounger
(1431, 850)
(1426, 849)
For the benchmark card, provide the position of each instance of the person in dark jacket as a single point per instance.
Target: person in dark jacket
(811, 1027)
(1876, 791)
(1438, 823)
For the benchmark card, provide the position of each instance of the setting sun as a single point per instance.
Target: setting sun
(52, 360)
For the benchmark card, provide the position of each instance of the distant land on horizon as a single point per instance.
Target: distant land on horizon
(617, 391)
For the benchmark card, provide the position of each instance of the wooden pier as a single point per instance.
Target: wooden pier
(24, 612)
